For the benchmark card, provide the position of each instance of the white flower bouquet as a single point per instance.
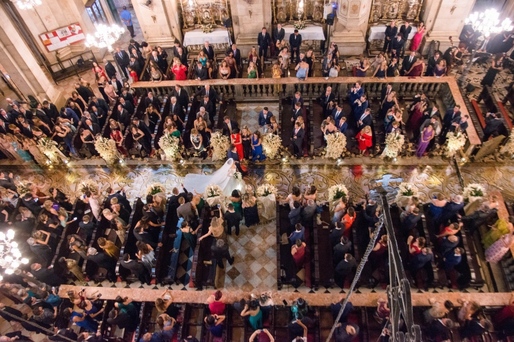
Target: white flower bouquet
(220, 144)
(394, 144)
(271, 144)
(155, 188)
(170, 146)
(508, 148)
(474, 190)
(454, 142)
(407, 189)
(266, 190)
(49, 148)
(336, 145)
(107, 150)
(337, 191)
(237, 175)
(212, 190)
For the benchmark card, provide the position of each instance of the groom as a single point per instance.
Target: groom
(232, 153)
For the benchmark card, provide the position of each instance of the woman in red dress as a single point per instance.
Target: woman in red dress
(417, 68)
(117, 136)
(99, 70)
(179, 70)
(237, 140)
(365, 139)
(418, 37)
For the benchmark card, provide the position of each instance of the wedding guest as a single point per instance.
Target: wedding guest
(426, 137)
(390, 34)
(364, 139)
(257, 151)
(297, 140)
(418, 37)
(263, 40)
(432, 62)
(295, 42)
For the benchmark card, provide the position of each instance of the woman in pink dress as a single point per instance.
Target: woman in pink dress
(498, 249)
(417, 68)
(418, 37)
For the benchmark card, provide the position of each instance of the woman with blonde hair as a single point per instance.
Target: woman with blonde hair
(109, 247)
(364, 139)
(164, 302)
(179, 70)
(215, 229)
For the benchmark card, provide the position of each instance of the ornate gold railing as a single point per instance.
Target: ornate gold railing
(269, 89)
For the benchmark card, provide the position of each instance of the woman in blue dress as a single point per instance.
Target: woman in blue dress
(302, 68)
(257, 147)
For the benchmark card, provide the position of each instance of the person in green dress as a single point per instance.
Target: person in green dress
(235, 198)
(500, 228)
(252, 70)
(189, 234)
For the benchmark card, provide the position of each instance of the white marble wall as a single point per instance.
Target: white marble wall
(159, 21)
(351, 24)
(248, 18)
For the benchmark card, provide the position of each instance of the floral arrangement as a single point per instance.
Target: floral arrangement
(336, 145)
(508, 148)
(271, 144)
(407, 189)
(299, 25)
(207, 28)
(170, 146)
(155, 188)
(337, 191)
(394, 144)
(220, 145)
(88, 186)
(474, 190)
(454, 142)
(213, 190)
(49, 148)
(107, 150)
(266, 190)
(22, 189)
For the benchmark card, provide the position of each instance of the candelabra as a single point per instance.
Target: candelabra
(27, 4)
(10, 255)
(105, 36)
(486, 23)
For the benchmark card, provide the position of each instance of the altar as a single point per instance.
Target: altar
(311, 35)
(218, 38)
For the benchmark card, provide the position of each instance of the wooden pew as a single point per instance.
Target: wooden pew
(324, 268)
(286, 126)
(130, 239)
(286, 267)
(317, 139)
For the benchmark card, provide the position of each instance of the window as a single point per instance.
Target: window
(96, 13)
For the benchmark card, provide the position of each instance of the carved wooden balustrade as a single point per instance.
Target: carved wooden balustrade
(269, 89)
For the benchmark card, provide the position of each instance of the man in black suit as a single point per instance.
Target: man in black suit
(297, 139)
(278, 35)
(209, 108)
(297, 98)
(43, 252)
(220, 251)
(152, 100)
(182, 98)
(92, 127)
(99, 103)
(4, 129)
(109, 68)
(297, 112)
(265, 117)
(137, 268)
(325, 101)
(84, 92)
(365, 119)
(102, 260)
(397, 45)
(126, 95)
(450, 116)
(200, 72)
(46, 275)
(135, 65)
(50, 109)
(263, 40)
(390, 34)
(123, 60)
(494, 126)
(121, 319)
(116, 84)
(228, 126)
(127, 105)
(232, 153)
(175, 108)
(176, 51)
(208, 50)
(134, 45)
(338, 113)
(344, 268)
(295, 41)
(408, 62)
(460, 125)
(432, 62)
(405, 30)
(232, 218)
(123, 117)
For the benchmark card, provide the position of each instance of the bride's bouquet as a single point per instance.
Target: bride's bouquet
(213, 190)
(394, 144)
(454, 142)
(220, 145)
(155, 188)
(336, 145)
(271, 145)
(107, 150)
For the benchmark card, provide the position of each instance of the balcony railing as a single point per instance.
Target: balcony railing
(270, 89)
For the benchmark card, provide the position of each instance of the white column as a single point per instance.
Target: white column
(248, 18)
(158, 21)
(349, 30)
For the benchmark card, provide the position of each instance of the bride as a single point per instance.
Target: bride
(224, 178)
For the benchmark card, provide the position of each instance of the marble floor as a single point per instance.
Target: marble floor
(255, 250)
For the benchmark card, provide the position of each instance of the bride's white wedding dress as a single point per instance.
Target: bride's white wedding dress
(223, 177)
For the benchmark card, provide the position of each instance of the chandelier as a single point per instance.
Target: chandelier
(27, 4)
(105, 36)
(488, 22)
(10, 255)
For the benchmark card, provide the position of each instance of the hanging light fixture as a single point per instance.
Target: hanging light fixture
(27, 4)
(10, 256)
(488, 22)
(105, 36)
